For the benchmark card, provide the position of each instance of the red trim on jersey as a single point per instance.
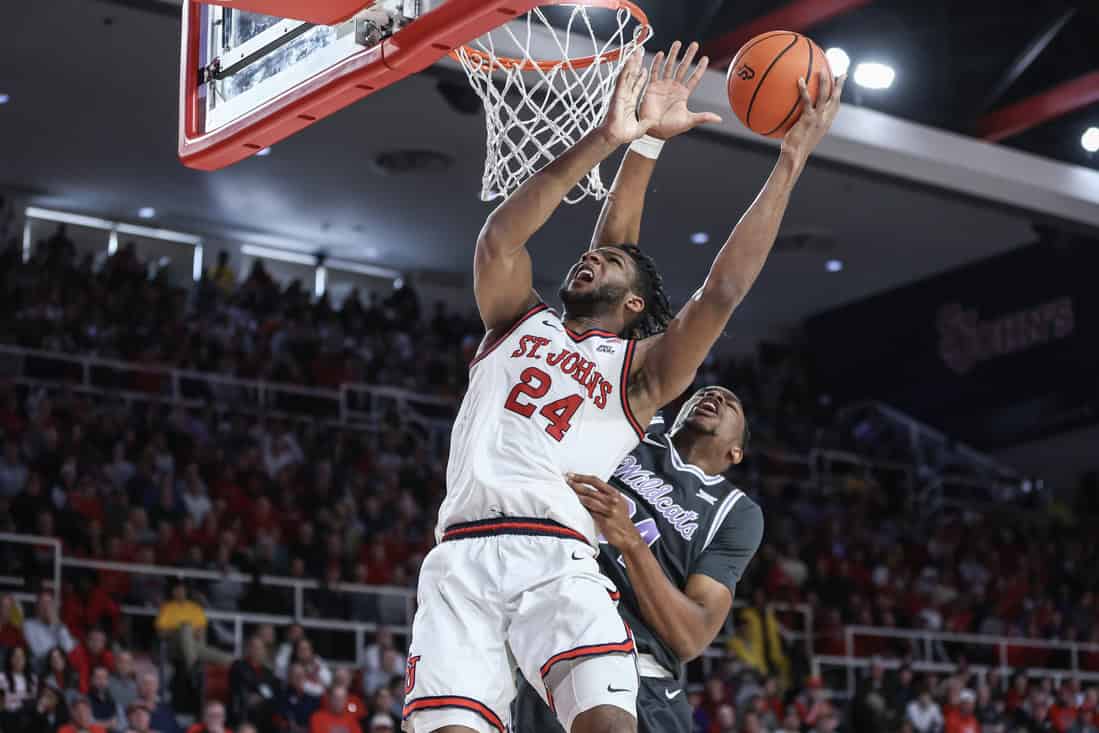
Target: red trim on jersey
(615, 595)
(453, 701)
(593, 650)
(624, 382)
(511, 525)
(485, 351)
(578, 337)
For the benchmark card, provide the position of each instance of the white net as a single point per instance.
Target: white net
(544, 86)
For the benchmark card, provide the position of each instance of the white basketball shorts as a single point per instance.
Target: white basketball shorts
(510, 593)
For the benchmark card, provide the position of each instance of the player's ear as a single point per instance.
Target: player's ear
(736, 454)
(635, 304)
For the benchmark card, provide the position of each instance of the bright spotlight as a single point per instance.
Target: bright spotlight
(871, 75)
(833, 265)
(146, 212)
(838, 60)
(1090, 140)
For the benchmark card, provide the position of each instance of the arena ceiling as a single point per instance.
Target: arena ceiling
(90, 126)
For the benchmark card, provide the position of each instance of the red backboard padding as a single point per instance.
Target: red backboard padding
(409, 51)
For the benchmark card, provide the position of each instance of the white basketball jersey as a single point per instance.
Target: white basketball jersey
(542, 402)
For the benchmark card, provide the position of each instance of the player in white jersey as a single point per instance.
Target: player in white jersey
(513, 582)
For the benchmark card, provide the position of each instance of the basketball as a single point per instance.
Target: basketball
(763, 80)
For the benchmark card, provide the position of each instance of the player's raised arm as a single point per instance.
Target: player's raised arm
(503, 282)
(669, 361)
(671, 83)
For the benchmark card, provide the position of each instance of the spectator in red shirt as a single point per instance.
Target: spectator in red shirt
(334, 718)
(213, 720)
(1063, 713)
(89, 655)
(82, 721)
(355, 704)
(961, 719)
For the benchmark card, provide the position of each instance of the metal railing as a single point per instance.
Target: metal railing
(928, 649)
(360, 406)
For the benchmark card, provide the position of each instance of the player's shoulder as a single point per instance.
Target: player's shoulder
(734, 508)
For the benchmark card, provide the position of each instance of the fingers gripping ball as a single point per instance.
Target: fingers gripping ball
(763, 80)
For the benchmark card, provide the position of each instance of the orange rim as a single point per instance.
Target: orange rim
(482, 59)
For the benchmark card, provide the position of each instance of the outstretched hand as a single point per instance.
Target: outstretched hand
(671, 84)
(622, 124)
(816, 119)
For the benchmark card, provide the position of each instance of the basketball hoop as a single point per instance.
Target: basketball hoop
(546, 87)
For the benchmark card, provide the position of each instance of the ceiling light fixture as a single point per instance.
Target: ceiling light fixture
(1090, 140)
(700, 238)
(146, 212)
(833, 265)
(872, 75)
(838, 60)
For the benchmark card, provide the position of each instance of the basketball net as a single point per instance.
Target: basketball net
(536, 109)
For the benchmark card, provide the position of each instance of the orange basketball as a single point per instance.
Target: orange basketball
(763, 80)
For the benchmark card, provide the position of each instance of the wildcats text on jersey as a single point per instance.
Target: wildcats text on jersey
(655, 490)
(571, 363)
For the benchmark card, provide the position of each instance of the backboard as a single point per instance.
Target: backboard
(249, 80)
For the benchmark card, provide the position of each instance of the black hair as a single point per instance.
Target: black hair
(650, 286)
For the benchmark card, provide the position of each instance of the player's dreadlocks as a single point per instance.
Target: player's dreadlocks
(658, 311)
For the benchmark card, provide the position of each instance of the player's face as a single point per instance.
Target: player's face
(602, 277)
(715, 411)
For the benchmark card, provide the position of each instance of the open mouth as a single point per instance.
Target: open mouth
(584, 274)
(707, 406)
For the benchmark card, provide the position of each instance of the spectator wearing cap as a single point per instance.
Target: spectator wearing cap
(46, 631)
(924, 713)
(213, 719)
(93, 652)
(253, 689)
(162, 716)
(105, 709)
(11, 623)
(334, 718)
(380, 723)
(961, 719)
(123, 683)
(82, 721)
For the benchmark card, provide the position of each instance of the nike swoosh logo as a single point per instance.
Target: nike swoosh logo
(611, 689)
(576, 556)
(551, 324)
(672, 695)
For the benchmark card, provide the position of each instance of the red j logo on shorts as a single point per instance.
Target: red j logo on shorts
(410, 674)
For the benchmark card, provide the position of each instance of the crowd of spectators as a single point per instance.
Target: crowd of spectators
(247, 496)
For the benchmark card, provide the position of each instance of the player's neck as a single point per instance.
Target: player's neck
(582, 323)
(702, 451)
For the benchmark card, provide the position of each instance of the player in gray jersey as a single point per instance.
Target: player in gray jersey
(677, 537)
